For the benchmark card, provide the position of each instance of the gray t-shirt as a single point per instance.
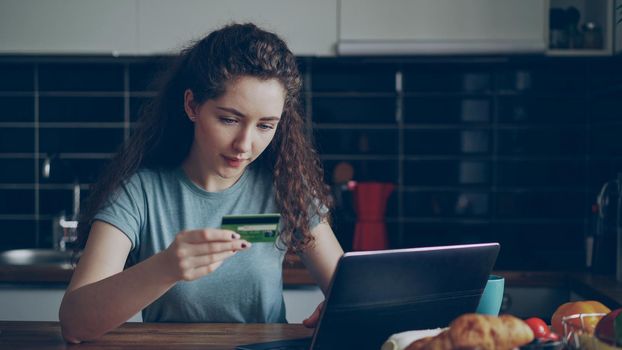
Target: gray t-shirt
(153, 206)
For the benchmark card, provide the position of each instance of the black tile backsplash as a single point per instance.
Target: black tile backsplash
(563, 204)
(441, 109)
(17, 77)
(601, 170)
(363, 110)
(606, 108)
(365, 170)
(446, 142)
(558, 141)
(353, 77)
(54, 202)
(17, 201)
(447, 204)
(436, 173)
(65, 171)
(541, 173)
(81, 77)
(508, 149)
(18, 234)
(81, 109)
(17, 140)
(428, 234)
(607, 140)
(357, 141)
(549, 78)
(141, 75)
(17, 170)
(447, 78)
(17, 109)
(541, 110)
(80, 140)
(605, 75)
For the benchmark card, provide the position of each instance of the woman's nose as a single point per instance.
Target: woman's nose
(243, 141)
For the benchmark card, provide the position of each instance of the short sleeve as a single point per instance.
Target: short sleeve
(126, 209)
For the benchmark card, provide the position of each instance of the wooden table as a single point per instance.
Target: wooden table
(47, 335)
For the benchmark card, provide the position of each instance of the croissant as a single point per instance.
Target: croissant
(482, 332)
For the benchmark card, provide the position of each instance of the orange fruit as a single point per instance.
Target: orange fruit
(575, 308)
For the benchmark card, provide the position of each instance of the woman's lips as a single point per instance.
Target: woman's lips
(234, 162)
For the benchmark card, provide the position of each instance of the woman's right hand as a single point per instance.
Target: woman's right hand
(196, 253)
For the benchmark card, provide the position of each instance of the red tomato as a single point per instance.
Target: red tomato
(553, 336)
(539, 327)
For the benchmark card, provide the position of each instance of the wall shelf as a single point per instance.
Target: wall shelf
(579, 43)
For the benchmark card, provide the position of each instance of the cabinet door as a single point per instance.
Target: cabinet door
(34, 303)
(309, 27)
(442, 26)
(301, 301)
(25, 304)
(67, 26)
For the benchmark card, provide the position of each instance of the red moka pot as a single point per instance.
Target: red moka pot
(370, 202)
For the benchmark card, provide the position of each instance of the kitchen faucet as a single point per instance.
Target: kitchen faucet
(64, 229)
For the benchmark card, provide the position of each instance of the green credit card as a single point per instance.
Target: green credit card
(253, 227)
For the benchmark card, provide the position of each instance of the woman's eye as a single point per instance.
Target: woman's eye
(266, 126)
(226, 120)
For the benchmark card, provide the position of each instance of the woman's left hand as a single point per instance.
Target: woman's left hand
(312, 320)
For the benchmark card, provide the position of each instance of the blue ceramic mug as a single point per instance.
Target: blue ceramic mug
(490, 302)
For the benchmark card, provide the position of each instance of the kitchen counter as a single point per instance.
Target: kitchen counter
(294, 273)
(47, 335)
(603, 288)
(39, 274)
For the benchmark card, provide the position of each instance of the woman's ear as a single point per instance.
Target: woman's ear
(190, 105)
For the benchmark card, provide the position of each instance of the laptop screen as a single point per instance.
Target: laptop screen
(379, 293)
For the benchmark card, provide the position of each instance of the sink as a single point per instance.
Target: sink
(29, 257)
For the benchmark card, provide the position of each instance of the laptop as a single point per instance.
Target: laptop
(378, 293)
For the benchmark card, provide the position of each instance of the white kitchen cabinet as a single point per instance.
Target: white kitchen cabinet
(19, 303)
(300, 302)
(442, 26)
(144, 27)
(309, 27)
(41, 303)
(68, 27)
(34, 303)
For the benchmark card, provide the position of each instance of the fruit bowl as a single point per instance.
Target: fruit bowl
(578, 331)
(538, 344)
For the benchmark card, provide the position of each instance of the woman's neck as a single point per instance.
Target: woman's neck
(203, 177)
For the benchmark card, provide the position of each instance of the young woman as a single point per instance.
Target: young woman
(224, 136)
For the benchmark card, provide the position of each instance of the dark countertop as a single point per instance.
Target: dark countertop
(138, 335)
(603, 288)
(36, 274)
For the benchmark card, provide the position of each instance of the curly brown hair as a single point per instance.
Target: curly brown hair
(165, 135)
